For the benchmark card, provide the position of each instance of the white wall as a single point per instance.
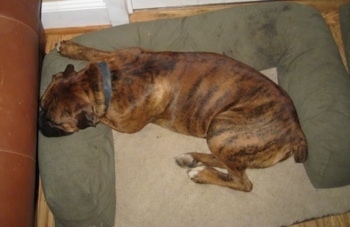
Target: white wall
(80, 13)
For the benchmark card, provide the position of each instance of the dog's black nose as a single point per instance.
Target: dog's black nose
(47, 130)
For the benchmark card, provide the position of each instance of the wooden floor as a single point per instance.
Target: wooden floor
(329, 10)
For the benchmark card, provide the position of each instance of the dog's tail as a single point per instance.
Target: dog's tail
(300, 150)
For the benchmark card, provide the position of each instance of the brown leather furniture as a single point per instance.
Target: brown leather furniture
(20, 30)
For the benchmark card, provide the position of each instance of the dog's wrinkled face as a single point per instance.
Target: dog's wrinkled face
(66, 106)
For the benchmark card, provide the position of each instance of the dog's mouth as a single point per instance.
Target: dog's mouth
(48, 130)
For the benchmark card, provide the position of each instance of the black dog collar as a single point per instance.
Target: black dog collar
(106, 82)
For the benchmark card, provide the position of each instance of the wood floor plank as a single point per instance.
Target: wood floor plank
(155, 14)
(341, 220)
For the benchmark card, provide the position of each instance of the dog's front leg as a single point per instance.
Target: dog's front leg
(77, 51)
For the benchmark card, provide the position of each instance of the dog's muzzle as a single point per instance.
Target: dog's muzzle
(47, 130)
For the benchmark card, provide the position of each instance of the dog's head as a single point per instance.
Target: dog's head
(69, 102)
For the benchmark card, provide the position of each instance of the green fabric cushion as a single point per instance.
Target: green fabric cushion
(294, 38)
(77, 171)
(344, 14)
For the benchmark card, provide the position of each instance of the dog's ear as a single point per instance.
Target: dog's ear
(87, 119)
(69, 70)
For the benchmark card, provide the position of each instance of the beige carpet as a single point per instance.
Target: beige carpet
(153, 191)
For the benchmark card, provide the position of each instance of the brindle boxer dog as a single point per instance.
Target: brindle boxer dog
(247, 120)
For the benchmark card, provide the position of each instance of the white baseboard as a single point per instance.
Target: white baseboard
(81, 13)
(147, 4)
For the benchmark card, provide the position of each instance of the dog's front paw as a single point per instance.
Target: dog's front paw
(186, 161)
(58, 47)
(65, 47)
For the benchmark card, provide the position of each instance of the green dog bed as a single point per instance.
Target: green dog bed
(78, 171)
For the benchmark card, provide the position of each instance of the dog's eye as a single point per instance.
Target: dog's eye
(52, 123)
(55, 124)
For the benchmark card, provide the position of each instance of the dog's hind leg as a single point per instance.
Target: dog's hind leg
(234, 179)
(202, 170)
(227, 151)
(194, 159)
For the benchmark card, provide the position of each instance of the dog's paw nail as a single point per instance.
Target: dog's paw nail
(58, 46)
(192, 173)
(185, 161)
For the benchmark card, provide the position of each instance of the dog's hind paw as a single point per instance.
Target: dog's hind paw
(186, 161)
(195, 174)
